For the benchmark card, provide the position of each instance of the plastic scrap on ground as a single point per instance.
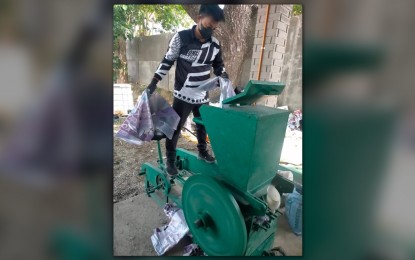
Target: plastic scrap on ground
(169, 209)
(168, 236)
(292, 149)
(295, 120)
(193, 250)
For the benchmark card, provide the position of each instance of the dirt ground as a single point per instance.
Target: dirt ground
(128, 159)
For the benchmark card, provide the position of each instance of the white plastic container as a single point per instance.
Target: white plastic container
(123, 99)
(273, 198)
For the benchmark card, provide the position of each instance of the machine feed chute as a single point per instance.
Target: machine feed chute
(247, 140)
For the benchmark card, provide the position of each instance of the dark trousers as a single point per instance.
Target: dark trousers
(183, 109)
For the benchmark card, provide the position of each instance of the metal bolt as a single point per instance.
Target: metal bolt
(198, 223)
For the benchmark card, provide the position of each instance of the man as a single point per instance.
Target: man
(196, 52)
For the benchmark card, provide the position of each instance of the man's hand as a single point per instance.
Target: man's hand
(224, 75)
(238, 90)
(152, 86)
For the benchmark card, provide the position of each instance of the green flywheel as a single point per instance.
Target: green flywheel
(213, 217)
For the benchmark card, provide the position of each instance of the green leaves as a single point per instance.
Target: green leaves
(297, 9)
(138, 20)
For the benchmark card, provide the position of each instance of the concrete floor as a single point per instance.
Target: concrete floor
(135, 219)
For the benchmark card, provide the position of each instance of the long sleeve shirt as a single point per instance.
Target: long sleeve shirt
(194, 62)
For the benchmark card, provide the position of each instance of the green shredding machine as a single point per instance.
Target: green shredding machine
(222, 200)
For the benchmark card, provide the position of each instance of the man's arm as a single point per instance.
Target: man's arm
(171, 56)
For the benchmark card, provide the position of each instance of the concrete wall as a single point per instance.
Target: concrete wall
(145, 53)
(276, 35)
(292, 68)
(282, 54)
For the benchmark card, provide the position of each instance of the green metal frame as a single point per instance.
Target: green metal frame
(253, 91)
(241, 138)
(256, 242)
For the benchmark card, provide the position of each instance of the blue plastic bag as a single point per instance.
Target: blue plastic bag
(294, 211)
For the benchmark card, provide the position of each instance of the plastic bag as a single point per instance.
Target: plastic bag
(164, 118)
(151, 112)
(138, 127)
(294, 211)
(168, 236)
(209, 84)
(226, 89)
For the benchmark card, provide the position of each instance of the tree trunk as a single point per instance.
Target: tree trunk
(236, 36)
(122, 76)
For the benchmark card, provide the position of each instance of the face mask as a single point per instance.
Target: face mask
(205, 32)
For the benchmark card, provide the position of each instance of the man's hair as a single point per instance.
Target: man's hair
(212, 10)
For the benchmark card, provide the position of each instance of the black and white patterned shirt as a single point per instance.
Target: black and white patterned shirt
(194, 62)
